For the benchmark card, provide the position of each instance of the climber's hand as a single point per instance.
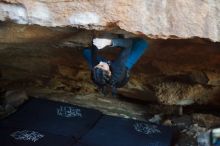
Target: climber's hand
(101, 43)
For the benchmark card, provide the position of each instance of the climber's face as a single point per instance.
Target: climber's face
(104, 66)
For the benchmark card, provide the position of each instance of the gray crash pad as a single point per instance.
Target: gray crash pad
(114, 131)
(27, 137)
(54, 117)
(44, 122)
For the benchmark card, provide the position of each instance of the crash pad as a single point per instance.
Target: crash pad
(114, 131)
(54, 117)
(29, 137)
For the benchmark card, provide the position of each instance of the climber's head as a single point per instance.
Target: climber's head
(101, 74)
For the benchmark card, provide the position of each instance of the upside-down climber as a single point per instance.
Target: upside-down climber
(113, 73)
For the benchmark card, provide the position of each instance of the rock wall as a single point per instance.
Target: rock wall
(153, 18)
(34, 56)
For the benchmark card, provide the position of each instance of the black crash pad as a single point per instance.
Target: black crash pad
(54, 117)
(114, 131)
(27, 137)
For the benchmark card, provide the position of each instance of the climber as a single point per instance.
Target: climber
(113, 73)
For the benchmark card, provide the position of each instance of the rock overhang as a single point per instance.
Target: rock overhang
(154, 19)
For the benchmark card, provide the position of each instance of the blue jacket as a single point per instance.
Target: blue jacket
(132, 50)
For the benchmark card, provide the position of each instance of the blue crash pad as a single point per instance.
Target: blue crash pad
(54, 117)
(27, 137)
(114, 131)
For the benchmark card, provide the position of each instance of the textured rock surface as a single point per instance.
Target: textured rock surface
(154, 18)
(51, 58)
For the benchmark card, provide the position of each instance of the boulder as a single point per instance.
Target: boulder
(152, 18)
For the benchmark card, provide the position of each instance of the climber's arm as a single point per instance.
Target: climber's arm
(138, 48)
(90, 55)
(87, 54)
